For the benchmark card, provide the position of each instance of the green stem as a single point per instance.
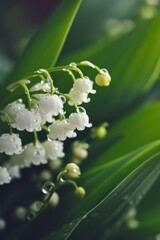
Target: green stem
(36, 141)
(55, 69)
(45, 128)
(27, 93)
(89, 64)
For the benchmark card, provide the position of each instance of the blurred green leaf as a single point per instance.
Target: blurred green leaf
(133, 61)
(110, 212)
(45, 46)
(137, 129)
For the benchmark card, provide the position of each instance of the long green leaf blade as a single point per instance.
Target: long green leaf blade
(44, 49)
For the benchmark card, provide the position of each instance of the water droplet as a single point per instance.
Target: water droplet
(63, 98)
(49, 139)
(31, 216)
(81, 110)
(86, 77)
(42, 81)
(36, 153)
(48, 187)
(56, 90)
(47, 80)
(62, 180)
(104, 70)
(19, 100)
(73, 64)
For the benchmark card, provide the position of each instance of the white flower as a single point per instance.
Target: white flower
(84, 85)
(17, 160)
(45, 117)
(10, 144)
(34, 154)
(79, 150)
(14, 172)
(4, 176)
(79, 121)
(41, 86)
(12, 110)
(54, 149)
(51, 104)
(78, 97)
(27, 120)
(61, 130)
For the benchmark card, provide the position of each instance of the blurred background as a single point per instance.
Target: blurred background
(19, 19)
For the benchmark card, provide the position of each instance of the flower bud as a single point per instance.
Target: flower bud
(72, 170)
(20, 213)
(54, 200)
(103, 79)
(100, 131)
(2, 224)
(80, 192)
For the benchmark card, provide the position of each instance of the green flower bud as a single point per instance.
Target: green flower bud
(80, 192)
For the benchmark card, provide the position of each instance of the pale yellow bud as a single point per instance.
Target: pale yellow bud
(99, 132)
(54, 200)
(55, 164)
(79, 150)
(103, 79)
(72, 170)
(80, 192)
(45, 175)
(133, 223)
(20, 213)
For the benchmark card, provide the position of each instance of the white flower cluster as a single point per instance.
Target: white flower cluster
(80, 90)
(45, 111)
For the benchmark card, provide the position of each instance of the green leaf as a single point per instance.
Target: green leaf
(136, 129)
(133, 61)
(110, 212)
(46, 45)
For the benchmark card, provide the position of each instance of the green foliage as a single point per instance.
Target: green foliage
(121, 168)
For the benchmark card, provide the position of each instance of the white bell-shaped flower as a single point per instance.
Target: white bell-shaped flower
(17, 160)
(84, 85)
(78, 97)
(12, 110)
(79, 121)
(34, 154)
(53, 149)
(14, 172)
(50, 104)
(28, 120)
(10, 144)
(41, 86)
(45, 117)
(4, 176)
(61, 130)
